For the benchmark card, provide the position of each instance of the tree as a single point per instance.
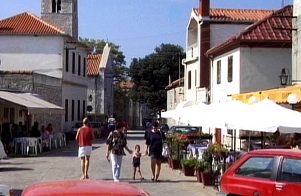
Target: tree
(151, 75)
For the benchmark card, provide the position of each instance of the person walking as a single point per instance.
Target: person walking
(154, 145)
(136, 162)
(85, 137)
(116, 143)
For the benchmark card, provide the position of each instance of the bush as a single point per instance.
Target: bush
(189, 162)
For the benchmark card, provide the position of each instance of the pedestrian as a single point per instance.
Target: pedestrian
(136, 162)
(116, 143)
(154, 145)
(85, 137)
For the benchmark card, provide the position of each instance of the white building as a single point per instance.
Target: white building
(206, 28)
(100, 89)
(253, 59)
(28, 43)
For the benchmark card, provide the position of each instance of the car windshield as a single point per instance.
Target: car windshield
(185, 129)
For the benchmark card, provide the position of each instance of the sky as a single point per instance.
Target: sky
(137, 26)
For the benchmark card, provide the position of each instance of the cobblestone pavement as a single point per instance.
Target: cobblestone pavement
(64, 164)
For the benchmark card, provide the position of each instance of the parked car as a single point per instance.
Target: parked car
(273, 172)
(82, 187)
(183, 129)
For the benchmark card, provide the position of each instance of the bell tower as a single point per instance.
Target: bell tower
(62, 14)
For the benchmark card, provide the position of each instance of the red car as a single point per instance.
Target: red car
(82, 187)
(269, 172)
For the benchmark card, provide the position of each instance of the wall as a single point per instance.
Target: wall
(219, 33)
(48, 88)
(296, 43)
(35, 53)
(71, 91)
(220, 92)
(261, 67)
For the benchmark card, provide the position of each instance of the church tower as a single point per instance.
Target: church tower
(63, 14)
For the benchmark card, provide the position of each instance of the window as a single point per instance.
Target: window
(218, 72)
(5, 112)
(56, 6)
(72, 111)
(290, 170)
(66, 110)
(67, 60)
(230, 68)
(84, 68)
(79, 64)
(84, 108)
(257, 167)
(78, 110)
(195, 77)
(189, 80)
(11, 115)
(73, 62)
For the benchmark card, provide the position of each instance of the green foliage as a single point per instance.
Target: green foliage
(189, 162)
(203, 165)
(218, 150)
(151, 75)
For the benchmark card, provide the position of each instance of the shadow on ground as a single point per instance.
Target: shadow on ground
(12, 169)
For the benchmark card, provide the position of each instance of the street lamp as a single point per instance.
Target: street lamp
(252, 99)
(292, 99)
(283, 77)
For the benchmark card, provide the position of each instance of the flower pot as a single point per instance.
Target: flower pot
(169, 162)
(188, 171)
(198, 174)
(175, 164)
(206, 178)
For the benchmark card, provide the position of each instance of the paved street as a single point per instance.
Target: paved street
(64, 164)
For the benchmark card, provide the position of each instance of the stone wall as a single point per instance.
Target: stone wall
(48, 88)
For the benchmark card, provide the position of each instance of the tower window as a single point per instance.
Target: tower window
(189, 80)
(218, 72)
(56, 6)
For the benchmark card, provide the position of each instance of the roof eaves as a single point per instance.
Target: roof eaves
(237, 39)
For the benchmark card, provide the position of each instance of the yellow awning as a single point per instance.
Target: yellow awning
(278, 95)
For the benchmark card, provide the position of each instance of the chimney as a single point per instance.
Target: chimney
(204, 7)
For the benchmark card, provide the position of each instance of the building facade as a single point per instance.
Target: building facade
(31, 44)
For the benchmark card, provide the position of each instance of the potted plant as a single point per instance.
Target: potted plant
(206, 173)
(188, 166)
(174, 157)
(199, 168)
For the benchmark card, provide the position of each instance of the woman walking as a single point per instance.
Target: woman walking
(116, 143)
(154, 145)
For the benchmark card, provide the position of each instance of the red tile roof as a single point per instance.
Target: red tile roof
(235, 15)
(126, 85)
(27, 24)
(272, 31)
(175, 84)
(93, 63)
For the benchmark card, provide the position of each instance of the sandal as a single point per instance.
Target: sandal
(153, 179)
(141, 178)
